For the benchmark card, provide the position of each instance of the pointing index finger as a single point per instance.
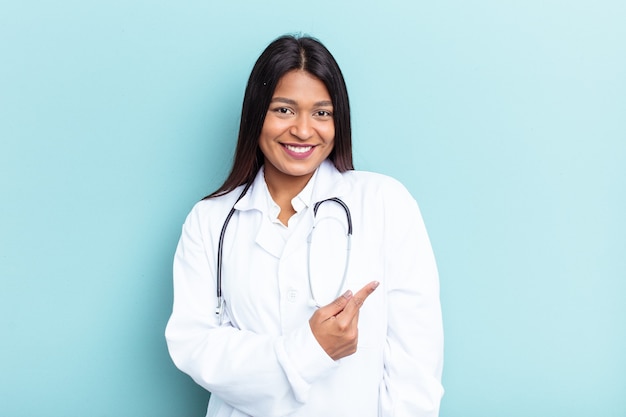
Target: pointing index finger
(357, 300)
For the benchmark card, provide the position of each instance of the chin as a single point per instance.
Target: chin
(299, 172)
(299, 169)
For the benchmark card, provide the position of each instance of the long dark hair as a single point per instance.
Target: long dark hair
(281, 56)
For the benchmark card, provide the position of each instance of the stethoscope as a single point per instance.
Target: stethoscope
(313, 300)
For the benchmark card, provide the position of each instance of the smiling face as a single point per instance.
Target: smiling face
(299, 131)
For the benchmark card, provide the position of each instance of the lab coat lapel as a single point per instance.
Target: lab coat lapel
(255, 203)
(328, 183)
(268, 239)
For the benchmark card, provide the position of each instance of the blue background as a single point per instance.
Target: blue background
(506, 120)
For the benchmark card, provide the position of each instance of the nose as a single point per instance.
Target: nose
(302, 128)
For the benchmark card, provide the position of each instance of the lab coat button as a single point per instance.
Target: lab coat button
(292, 295)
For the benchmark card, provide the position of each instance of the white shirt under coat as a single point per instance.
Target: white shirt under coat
(264, 361)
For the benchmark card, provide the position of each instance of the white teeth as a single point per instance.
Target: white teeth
(298, 149)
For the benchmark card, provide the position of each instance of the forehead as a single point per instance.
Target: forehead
(301, 84)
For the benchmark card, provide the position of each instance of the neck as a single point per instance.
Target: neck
(282, 185)
(283, 188)
(286, 189)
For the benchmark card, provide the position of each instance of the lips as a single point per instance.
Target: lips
(298, 151)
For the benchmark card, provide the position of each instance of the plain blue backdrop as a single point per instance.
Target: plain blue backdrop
(506, 120)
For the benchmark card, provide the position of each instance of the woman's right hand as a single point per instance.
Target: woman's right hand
(335, 326)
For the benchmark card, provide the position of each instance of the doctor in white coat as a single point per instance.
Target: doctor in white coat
(287, 307)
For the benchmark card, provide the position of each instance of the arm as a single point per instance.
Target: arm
(255, 373)
(414, 352)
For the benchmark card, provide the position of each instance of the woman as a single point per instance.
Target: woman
(264, 314)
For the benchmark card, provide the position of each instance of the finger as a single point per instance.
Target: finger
(355, 302)
(359, 298)
(335, 307)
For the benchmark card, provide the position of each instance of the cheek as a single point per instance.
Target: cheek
(268, 132)
(330, 145)
(273, 128)
(329, 134)
(263, 142)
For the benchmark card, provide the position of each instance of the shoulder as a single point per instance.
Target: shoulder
(375, 184)
(213, 208)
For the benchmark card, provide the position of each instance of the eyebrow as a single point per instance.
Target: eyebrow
(323, 103)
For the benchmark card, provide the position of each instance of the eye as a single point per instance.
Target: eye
(282, 111)
(323, 114)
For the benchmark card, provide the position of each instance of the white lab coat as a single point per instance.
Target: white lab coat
(264, 361)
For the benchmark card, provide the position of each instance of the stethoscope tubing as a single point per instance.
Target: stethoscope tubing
(313, 301)
(220, 252)
(339, 201)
